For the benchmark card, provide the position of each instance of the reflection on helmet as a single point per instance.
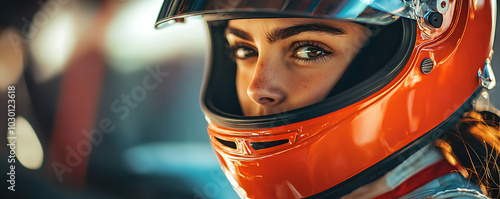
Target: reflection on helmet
(411, 81)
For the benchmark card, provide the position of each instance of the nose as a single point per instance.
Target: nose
(267, 85)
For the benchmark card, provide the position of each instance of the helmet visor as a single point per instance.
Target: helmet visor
(379, 12)
(304, 65)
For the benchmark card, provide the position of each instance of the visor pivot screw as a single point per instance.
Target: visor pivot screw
(440, 6)
(427, 65)
(434, 19)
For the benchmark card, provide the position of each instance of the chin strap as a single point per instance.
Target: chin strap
(423, 177)
(425, 174)
(419, 169)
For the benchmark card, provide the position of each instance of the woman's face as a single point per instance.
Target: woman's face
(288, 63)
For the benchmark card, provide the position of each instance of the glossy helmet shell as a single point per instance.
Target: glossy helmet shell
(331, 148)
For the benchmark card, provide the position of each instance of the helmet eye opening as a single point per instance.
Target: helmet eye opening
(219, 99)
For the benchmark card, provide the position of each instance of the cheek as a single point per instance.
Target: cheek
(316, 85)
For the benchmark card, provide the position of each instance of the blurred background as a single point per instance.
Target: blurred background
(107, 106)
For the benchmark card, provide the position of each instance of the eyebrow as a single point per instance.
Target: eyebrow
(283, 33)
(280, 34)
(239, 33)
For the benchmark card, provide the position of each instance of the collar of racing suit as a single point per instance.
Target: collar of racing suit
(425, 174)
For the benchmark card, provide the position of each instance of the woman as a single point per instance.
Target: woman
(351, 99)
(271, 58)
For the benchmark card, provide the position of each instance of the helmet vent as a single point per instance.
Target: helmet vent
(265, 145)
(229, 144)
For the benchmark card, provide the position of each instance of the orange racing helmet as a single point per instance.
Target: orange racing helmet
(412, 81)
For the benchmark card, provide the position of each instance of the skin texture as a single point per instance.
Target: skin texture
(288, 63)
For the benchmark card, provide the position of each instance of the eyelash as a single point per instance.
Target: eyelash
(232, 49)
(322, 47)
(327, 52)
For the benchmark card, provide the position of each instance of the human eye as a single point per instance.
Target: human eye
(242, 51)
(310, 51)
